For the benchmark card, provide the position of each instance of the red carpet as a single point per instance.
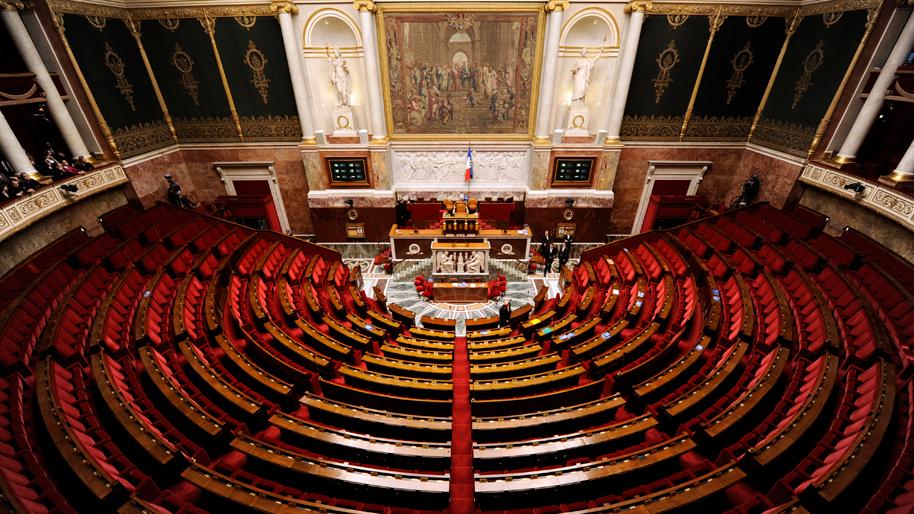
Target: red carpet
(461, 436)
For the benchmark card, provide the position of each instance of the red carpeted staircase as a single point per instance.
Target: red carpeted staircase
(462, 489)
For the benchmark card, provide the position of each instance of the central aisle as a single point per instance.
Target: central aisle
(462, 485)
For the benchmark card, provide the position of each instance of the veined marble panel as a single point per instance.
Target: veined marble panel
(444, 170)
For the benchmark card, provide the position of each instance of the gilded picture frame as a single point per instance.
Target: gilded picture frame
(398, 129)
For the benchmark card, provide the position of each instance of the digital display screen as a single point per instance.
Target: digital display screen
(573, 170)
(347, 170)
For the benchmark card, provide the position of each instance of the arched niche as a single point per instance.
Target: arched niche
(333, 28)
(589, 27)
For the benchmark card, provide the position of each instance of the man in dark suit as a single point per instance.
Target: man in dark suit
(564, 254)
(504, 313)
(549, 254)
(545, 243)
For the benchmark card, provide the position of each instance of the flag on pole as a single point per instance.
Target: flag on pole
(468, 176)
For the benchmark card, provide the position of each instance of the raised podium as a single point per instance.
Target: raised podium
(460, 259)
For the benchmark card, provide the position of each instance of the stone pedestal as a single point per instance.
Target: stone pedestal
(578, 117)
(344, 124)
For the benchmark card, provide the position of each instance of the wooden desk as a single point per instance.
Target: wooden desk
(410, 243)
(460, 292)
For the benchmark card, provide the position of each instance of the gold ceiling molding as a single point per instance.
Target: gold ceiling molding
(239, 11)
(364, 5)
(278, 7)
(556, 5)
(839, 5)
(86, 9)
(710, 9)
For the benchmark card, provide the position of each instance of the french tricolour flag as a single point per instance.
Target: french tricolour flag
(468, 176)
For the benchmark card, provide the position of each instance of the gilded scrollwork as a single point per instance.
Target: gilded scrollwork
(812, 62)
(185, 65)
(205, 129)
(830, 18)
(271, 128)
(651, 128)
(784, 136)
(116, 66)
(676, 20)
(257, 63)
(98, 22)
(740, 63)
(718, 128)
(246, 21)
(142, 138)
(754, 22)
(171, 24)
(666, 61)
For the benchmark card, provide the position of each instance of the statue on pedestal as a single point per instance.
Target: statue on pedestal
(581, 73)
(342, 82)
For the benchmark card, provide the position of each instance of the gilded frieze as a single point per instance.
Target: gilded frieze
(271, 128)
(787, 137)
(651, 128)
(719, 128)
(142, 138)
(203, 129)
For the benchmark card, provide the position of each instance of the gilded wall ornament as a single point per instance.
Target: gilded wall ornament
(830, 18)
(755, 21)
(667, 59)
(182, 61)
(116, 66)
(257, 62)
(676, 20)
(171, 24)
(740, 63)
(98, 22)
(812, 62)
(246, 21)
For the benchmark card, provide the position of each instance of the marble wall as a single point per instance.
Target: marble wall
(193, 168)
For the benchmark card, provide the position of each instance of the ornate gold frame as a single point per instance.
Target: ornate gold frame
(505, 8)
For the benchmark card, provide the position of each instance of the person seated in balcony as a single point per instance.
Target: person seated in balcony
(82, 164)
(14, 189)
(28, 184)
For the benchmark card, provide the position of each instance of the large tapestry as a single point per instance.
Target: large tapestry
(461, 74)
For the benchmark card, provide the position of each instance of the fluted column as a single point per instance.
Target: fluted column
(636, 12)
(366, 10)
(284, 12)
(12, 150)
(556, 9)
(56, 106)
(873, 104)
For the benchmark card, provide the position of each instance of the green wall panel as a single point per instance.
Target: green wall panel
(657, 100)
(111, 63)
(816, 61)
(185, 68)
(739, 67)
(255, 63)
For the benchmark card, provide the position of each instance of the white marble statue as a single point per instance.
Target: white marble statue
(474, 262)
(339, 77)
(581, 73)
(445, 262)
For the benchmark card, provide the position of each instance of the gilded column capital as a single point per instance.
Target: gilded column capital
(365, 6)
(556, 5)
(11, 5)
(638, 6)
(280, 6)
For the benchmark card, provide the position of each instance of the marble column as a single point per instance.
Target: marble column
(626, 67)
(58, 110)
(556, 9)
(13, 152)
(904, 172)
(366, 10)
(870, 110)
(284, 12)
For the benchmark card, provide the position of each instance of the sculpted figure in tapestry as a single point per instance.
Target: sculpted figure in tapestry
(339, 77)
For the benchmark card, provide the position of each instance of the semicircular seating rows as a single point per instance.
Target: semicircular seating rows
(747, 362)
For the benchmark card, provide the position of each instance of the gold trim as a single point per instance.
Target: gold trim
(839, 5)
(86, 9)
(820, 130)
(556, 5)
(664, 67)
(116, 66)
(209, 26)
(201, 12)
(182, 62)
(739, 64)
(714, 24)
(791, 25)
(465, 8)
(278, 7)
(812, 62)
(103, 126)
(257, 62)
(710, 9)
(364, 6)
(11, 5)
(638, 5)
(134, 27)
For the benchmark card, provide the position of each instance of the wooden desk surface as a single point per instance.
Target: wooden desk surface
(443, 245)
(521, 233)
